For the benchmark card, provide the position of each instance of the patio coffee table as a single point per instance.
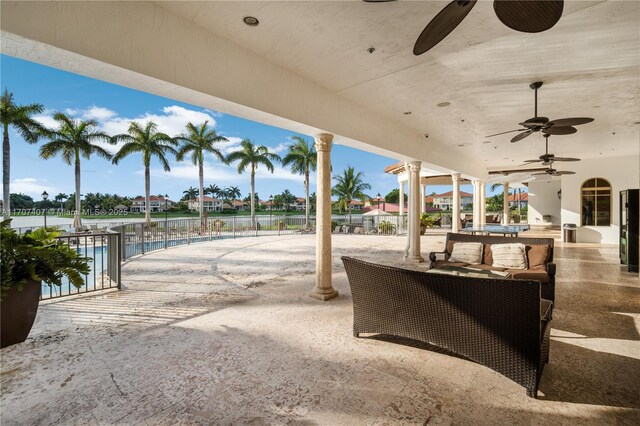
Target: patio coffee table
(511, 230)
(464, 271)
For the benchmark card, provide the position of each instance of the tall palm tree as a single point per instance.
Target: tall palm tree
(20, 118)
(303, 159)
(213, 190)
(251, 155)
(74, 139)
(60, 198)
(197, 141)
(233, 192)
(191, 193)
(150, 143)
(350, 185)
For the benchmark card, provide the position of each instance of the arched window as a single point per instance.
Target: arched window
(595, 197)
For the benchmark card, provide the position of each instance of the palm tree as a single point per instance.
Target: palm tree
(74, 139)
(251, 156)
(60, 198)
(191, 193)
(233, 192)
(20, 118)
(151, 143)
(303, 159)
(350, 185)
(196, 143)
(213, 190)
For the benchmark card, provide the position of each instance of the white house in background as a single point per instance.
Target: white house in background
(357, 205)
(298, 204)
(210, 204)
(524, 199)
(240, 205)
(157, 204)
(445, 201)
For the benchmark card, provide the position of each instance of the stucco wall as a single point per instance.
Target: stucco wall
(543, 200)
(621, 172)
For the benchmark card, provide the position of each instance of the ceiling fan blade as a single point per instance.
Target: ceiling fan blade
(528, 16)
(565, 159)
(532, 161)
(535, 121)
(575, 121)
(521, 136)
(539, 174)
(564, 172)
(440, 26)
(510, 131)
(560, 130)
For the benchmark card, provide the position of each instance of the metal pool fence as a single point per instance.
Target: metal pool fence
(102, 249)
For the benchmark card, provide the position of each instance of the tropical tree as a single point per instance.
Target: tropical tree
(71, 140)
(213, 190)
(233, 192)
(394, 196)
(350, 185)
(288, 198)
(302, 159)
(190, 194)
(60, 199)
(150, 143)
(251, 156)
(20, 117)
(196, 142)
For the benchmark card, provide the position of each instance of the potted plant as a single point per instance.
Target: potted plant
(515, 216)
(27, 261)
(385, 227)
(281, 226)
(425, 222)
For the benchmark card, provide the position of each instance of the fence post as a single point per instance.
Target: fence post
(208, 225)
(142, 238)
(234, 226)
(166, 234)
(188, 231)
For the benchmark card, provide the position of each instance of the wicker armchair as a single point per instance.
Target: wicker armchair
(502, 324)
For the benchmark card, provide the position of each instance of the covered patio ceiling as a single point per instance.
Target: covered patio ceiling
(589, 63)
(307, 67)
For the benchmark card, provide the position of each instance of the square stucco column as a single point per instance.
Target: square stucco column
(323, 289)
(505, 205)
(455, 215)
(413, 234)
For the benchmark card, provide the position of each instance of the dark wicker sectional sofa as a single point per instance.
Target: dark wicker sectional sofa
(500, 323)
(542, 269)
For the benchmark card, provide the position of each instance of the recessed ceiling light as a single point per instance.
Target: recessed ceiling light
(444, 104)
(407, 113)
(371, 49)
(461, 144)
(251, 21)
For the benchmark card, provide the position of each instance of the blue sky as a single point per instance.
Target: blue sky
(115, 106)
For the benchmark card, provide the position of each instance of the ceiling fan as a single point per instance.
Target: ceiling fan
(553, 172)
(562, 126)
(529, 16)
(548, 159)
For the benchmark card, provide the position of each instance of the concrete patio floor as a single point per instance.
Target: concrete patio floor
(225, 333)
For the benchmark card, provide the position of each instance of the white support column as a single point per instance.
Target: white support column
(505, 206)
(413, 254)
(423, 193)
(455, 215)
(483, 202)
(476, 204)
(401, 205)
(323, 289)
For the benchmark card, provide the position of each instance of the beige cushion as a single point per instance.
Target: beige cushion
(466, 252)
(537, 256)
(487, 259)
(511, 256)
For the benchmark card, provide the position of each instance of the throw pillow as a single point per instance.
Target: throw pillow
(511, 256)
(466, 252)
(537, 256)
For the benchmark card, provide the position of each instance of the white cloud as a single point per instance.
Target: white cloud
(31, 186)
(228, 147)
(97, 113)
(280, 148)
